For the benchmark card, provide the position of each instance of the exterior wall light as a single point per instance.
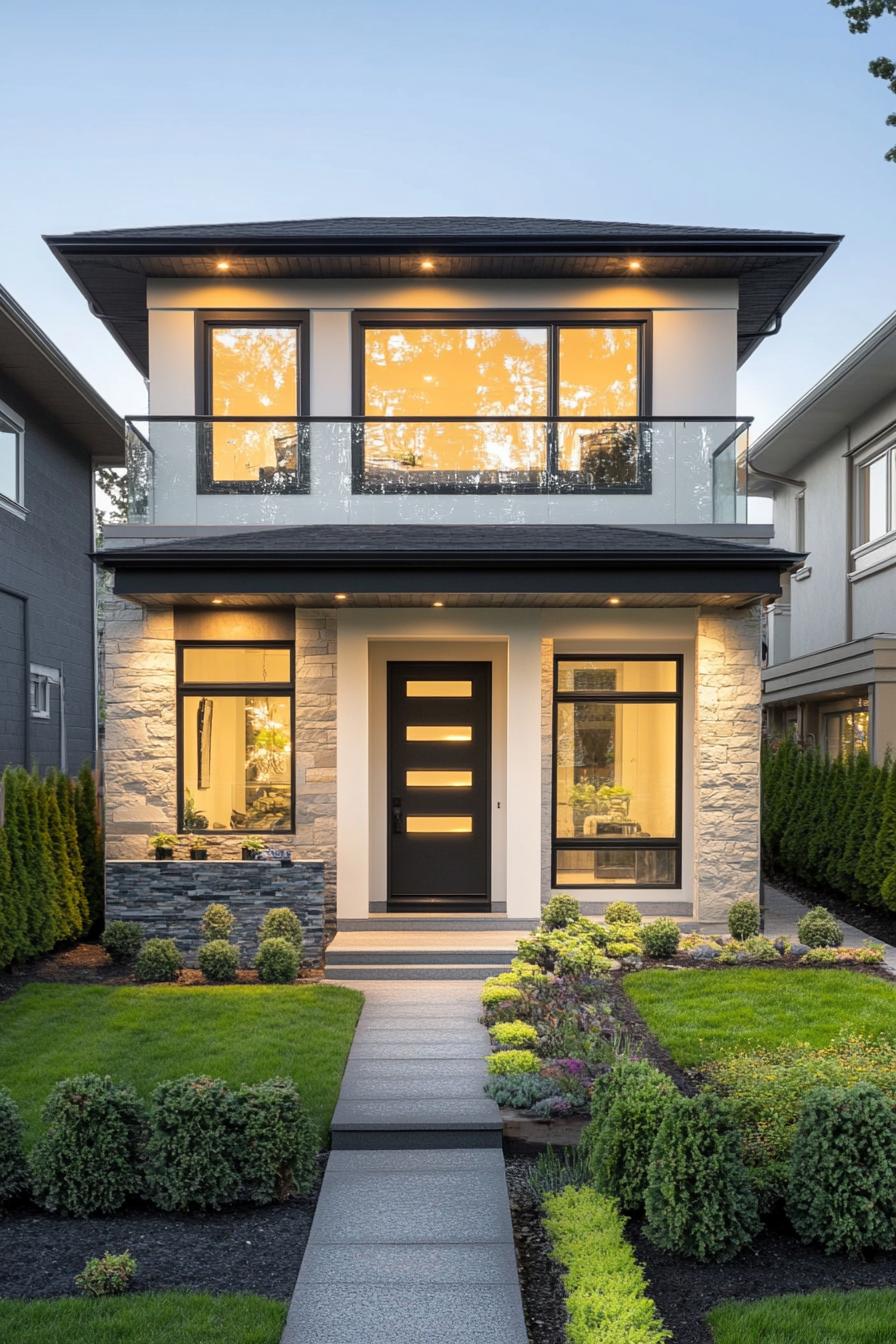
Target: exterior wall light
(438, 604)
(634, 265)
(341, 597)
(222, 265)
(427, 264)
(614, 601)
(217, 601)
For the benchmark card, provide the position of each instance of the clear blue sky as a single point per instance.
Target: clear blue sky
(717, 112)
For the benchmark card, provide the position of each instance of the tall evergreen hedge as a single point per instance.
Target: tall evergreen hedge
(50, 862)
(830, 824)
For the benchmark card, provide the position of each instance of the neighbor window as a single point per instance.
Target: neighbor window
(845, 731)
(235, 725)
(617, 771)
(11, 438)
(40, 694)
(457, 383)
(253, 384)
(876, 496)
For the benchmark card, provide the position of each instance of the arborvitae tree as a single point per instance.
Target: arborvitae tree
(793, 836)
(861, 781)
(866, 887)
(90, 842)
(64, 892)
(19, 838)
(10, 925)
(43, 921)
(779, 767)
(885, 846)
(65, 796)
(825, 791)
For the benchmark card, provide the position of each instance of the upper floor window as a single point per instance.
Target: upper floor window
(41, 678)
(253, 370)
(12, 434)
(876, 496)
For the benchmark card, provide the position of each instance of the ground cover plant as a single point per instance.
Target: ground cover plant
(143, 1036)
(702, 1017)
(145, 1318)
(864, 1316)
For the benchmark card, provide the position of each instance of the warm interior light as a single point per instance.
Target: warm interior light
(341, 597)
(634, 265)
(427, 264)
(438, 604)
(614, 601)
(216, 601)
(222, 265)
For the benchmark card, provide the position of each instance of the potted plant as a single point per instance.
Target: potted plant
(252, 847)
(162, 845)
(198, 849)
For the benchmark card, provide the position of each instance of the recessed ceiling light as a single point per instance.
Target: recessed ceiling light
(614, 601)
(438, 604)
(341, 597)
(222, 265)
(217, 601)
(427, 264)
(634, 265)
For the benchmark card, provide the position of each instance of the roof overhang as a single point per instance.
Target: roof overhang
(111, 268)
(30, 359)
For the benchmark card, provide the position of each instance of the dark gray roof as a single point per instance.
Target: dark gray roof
(111, 266)
(30, 360)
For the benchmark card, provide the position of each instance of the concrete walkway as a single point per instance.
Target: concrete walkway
(783, 913)
(412, 1240)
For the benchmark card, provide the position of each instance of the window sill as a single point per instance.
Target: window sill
(873, 556)
(12, 506)
(805, 573)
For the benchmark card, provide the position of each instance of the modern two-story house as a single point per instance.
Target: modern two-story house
(439, 566)
(830, 464)
(54, 429)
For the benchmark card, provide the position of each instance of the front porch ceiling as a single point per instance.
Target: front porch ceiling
(221, 600)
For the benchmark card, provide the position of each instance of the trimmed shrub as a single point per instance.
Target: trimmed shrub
(277, 961)
(605, 1287)
(494, 995)
(820, 956)
(561, 909)
(87, 1160)
(699, 1200)
(842, 1188)
(107, 1275)
(13, 1168)
(623, 949)
(869, 954)
(661, 938)
(158, 960)
(756, 948)
(622, 912)
(819, 928)
(513, 1036)
(194, 1147)
(278, 1142)
(122, 939)
(217, 922)
(513, 1061)
(218, 961)
(632, 1102)
(520, 1090)
(281, 922)
(743, 919)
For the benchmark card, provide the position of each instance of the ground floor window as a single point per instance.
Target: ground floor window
(617, 771)
(845, 731)
(235, 735)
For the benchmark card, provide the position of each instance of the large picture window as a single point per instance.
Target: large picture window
(876, 496)
(452, 373)
(617, 771)
(11, 436)
(235, 737)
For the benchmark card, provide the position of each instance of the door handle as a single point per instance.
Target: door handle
(397, 819)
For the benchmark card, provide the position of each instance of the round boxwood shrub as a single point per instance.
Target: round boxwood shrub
(622, 912)
(629, 1105)
(560, 910)
(277, 962)
(493, 995)
(660, 939)
(820, 956)
(699, 1200)
(513, 1061)
(87, 1160)
(819, 928)
(107, 1275)
(13, 1168)
(218, 961)
(217, 922)
(281, 922)
(743, 919)
(158, 960)
(278, 1142)
(195, 1138)
(842, 1187)
(514, 1035)
(122, 939)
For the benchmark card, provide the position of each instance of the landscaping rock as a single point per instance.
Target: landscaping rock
(798, 949)
(705, 953)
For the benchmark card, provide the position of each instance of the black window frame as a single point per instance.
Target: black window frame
(232, 688)
(588, 843)
(209, 320)
(553, 319)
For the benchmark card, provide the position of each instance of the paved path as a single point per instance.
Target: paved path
(412, 1240)
(783, 913)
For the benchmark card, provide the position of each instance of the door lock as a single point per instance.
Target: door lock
(397, 820)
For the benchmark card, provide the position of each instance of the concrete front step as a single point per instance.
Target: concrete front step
(463, 970)
(416, 1123)
(428, 923)
(415, 956)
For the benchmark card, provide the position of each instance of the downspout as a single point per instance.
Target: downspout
(26, 670)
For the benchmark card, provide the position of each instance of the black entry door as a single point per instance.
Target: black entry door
(439, 785)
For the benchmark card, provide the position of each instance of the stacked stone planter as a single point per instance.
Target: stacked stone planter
(167, 899)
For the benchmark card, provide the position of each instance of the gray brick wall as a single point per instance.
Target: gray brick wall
(168, 898)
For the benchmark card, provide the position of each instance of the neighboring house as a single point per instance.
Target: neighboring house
(438, 568)
(53, 429)
(831, 673)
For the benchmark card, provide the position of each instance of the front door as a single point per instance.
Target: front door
(439, 785)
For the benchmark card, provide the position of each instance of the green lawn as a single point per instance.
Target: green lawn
(142, 1035)
(702, 1015)
(145, 1318)
(865, 1316)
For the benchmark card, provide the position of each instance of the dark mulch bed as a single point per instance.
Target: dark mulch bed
(245, 1249)
(879, 924)
(543, 1299)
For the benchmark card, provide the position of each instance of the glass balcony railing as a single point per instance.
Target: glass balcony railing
(211, 469)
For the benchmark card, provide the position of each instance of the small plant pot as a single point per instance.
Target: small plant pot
(164, 853)
(198, 853)
(250, 855)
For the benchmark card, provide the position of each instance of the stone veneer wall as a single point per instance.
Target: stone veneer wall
(140, 743)
(726, 760)
(167, 899)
